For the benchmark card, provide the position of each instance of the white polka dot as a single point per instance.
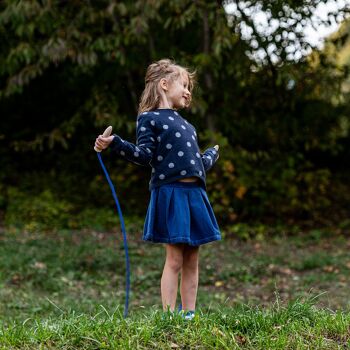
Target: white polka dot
(144, 112)
(162, 176)
(183, 127)
(136, 154)
(141, 144)
(148, 150)
(143, 128)
(198, 155)
(153, 122)
(160, 158)
(176, 113)
(165, 126)
(171, 165)
(171, 118)
(156, 113)
(137, 149)
(192, 161)
(193, 138)
(122, 153)
(183, 172)
(168, 146)
(189, 144)
(180, 153)
(178, 134)
(200, 173)
(152, 139)
(214, 152)
(186, 122)
(158, 138)
(122, 140)
(195, 133)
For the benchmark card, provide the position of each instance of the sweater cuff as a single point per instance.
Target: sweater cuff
(209, 157)
(117, 143)
(213, 153)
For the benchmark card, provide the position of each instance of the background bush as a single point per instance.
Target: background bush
(68, 71)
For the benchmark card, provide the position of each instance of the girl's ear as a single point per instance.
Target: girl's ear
(163, 83)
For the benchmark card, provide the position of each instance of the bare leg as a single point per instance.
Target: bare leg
(170, 277)
(189, 277)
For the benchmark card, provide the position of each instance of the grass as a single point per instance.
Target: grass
(296, 326)
(66, 291)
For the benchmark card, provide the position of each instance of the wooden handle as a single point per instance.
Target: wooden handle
(106, 133)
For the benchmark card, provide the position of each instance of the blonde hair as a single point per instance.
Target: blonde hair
(156, 71)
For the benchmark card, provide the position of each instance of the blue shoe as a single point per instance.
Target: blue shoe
(188, 316)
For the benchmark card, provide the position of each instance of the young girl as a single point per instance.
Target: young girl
(179, 213)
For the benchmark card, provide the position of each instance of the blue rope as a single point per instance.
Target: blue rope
(124, 235)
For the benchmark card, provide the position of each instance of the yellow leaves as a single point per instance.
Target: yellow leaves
(228, 166)
(225, 201)
(240, 192)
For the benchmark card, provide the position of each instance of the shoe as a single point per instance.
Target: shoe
(188, 316)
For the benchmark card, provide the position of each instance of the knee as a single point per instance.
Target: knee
(174, 263)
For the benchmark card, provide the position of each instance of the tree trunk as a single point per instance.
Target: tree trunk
(208, 79)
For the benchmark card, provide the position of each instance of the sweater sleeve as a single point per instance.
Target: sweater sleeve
(209, 158)
(142, 152)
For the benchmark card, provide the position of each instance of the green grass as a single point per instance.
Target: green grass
(66, 291)
(297, 326)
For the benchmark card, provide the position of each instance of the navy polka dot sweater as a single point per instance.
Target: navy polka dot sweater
(168, 143)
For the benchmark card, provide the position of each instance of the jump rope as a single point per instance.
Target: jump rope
(107, 133)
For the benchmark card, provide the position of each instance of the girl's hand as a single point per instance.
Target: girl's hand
(103, 142)
(217, 150)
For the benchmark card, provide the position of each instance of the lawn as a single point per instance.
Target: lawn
(67, 291)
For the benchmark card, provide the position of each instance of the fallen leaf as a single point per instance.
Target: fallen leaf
(219, 283)
(240, 339)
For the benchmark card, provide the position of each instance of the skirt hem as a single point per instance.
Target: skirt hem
(183, 240)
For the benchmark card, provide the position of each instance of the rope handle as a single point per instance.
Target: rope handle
(106, 133)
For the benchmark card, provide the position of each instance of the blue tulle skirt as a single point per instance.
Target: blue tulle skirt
(180, 212)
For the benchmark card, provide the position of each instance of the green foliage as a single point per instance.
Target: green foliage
(47, 212)
(36, 213)
(67, 70)
(255, 184)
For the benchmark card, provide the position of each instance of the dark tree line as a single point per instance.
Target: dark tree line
(70, 68)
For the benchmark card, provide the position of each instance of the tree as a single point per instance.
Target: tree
(68, 69)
